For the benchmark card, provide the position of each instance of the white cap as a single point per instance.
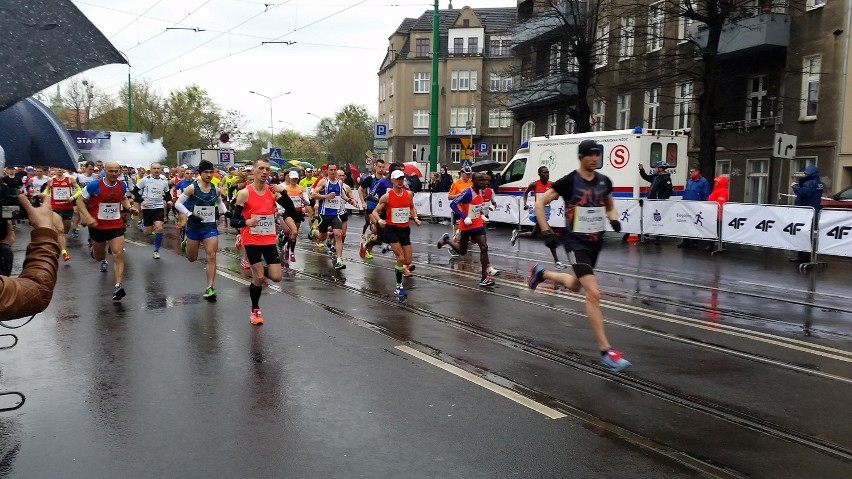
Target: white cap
(139, 166)
(397, 174)
(294, 174)
(165, 170)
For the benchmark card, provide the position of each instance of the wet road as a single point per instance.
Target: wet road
(742, 368)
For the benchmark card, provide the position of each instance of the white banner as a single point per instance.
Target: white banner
(835, 233)
(683, 219)
(507, 209)
(629, 214)
(782, 227)
(440, 205)
(423, 204)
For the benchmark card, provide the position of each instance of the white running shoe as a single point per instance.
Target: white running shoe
(561, 266)
(492, 271)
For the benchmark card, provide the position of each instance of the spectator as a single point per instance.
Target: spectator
(446, 180)
(433, 182)
(661, 184)
(414, 183)
(720, 196)
(349, 180)
(697, 189)
(808, 191)
(494, 181)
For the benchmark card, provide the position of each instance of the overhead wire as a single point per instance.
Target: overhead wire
(135, 19)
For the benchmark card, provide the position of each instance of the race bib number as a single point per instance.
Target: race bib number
(589, 220)
(474, 211)
(265, 225)
(155, 192)
(400, 215)
(297, 201)
(109, 211)
(334, 203)
(62, 193)
(207, 214)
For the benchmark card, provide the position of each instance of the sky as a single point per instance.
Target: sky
(339, 46)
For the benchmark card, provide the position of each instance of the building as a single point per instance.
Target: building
(782, 69)
(474, 75)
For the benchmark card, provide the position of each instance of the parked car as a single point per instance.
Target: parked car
(841, 200)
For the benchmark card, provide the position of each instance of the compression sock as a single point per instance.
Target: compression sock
(158, 241)
(293, 244)
(398, 270)
(254, 293)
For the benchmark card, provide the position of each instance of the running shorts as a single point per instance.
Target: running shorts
(66, 215)
(201, 234)
(395, 234)
(102, 236)
(466, 234)
(257, 253)
(152, 215)
(583, 261)
(328, 220)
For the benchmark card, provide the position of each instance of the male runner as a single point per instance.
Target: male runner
(398, 206)
(254, 212)
(198, 203)
(106, 198)
(83, 178)
(152, 188)
(364, 188)
(36, 183)
(537, 188)
(588, 204)
(298, 196)
(464, 182)
(468, 206)
(379, 189)
(61, 188)
(329, 192)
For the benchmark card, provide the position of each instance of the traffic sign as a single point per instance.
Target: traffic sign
(381, 130)
(224, 157)
(275, 153)
(380, 145)
(784, 146)
(483, 148)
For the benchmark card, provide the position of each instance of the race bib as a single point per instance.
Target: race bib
(207, 214)
(334, 203)
(589, 219)
(109, 211)
(400, 215)
(474, 211)
(265, 225)
(155, 192)
(63, 193)
(297, 201)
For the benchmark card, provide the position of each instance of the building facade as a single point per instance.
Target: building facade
(782, 68)
(475, 65)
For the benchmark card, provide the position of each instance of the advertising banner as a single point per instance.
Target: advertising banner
(557, 214)
(629, 214)
(189, 157)
(507, 209)
(782, 227)
(423, 204)
(685, 219)
(91, 140)
(440, 205)
(835, 233)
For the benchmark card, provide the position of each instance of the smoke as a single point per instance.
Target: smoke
(132, 149)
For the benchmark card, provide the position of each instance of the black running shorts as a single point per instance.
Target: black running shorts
(102, 236)
(152, 215)
(583, 261)
(257, 253)
(395, 234)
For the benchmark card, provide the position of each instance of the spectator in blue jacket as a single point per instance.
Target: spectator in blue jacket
(697, 189)
(808, 191)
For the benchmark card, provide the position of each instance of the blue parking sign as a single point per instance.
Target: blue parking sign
(381, 130)
(483, 147)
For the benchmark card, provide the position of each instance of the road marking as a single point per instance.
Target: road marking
(506, 393)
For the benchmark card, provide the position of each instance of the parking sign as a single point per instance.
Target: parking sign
(381, 130)
(224, 157)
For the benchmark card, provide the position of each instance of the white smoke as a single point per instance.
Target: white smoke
(132, 149)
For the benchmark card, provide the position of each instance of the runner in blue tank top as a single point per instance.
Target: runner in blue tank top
(331, 204)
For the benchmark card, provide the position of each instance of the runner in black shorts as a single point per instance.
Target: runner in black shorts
(394, 212)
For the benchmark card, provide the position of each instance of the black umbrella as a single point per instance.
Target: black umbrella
(30, 134)
(486, 165)
(44, 42)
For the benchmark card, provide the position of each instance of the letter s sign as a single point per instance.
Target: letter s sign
(619, 156)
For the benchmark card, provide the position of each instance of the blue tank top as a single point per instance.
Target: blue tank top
(332, 206)
(200, 198)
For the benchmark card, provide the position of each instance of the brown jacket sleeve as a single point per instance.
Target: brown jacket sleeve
(30, 293)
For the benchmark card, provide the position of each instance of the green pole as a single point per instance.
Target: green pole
(433, 112)
(129, 104)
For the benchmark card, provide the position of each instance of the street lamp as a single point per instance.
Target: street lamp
(270, 98)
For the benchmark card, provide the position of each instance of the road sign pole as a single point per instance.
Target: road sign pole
(433, 112)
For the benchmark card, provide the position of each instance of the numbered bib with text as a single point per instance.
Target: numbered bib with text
(109, 211)
(400, 215)
(207, 214)
(265, 225)
(589, 220)
(62, 193)
(474, 211)
(334, 203)
(297, 201)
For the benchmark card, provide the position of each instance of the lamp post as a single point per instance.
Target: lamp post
(270, 98)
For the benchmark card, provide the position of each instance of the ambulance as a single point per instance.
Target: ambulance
(622, 152)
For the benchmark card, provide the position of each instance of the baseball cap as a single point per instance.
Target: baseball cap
(588, 147)
(139, 166)
(166, 170)
(294, 174)
(467, 169)
(397, 174)
(232, 168)
(661, 164)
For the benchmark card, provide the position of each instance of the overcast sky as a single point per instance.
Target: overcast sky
(339, 45)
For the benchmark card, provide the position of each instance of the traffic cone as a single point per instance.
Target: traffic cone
(633, 238)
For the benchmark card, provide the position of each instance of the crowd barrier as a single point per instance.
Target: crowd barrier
(770, 226)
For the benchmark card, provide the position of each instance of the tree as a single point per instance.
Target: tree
(349, 144)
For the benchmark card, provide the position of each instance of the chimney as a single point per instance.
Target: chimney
(451, 5)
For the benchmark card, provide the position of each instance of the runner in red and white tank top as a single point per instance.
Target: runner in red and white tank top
(61, 188)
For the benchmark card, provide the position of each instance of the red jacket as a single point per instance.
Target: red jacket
(719, 193)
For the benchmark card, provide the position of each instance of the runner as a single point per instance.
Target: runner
(198, 203)
(152, 189)
(329, 191)
(379, 189)
(588, 203)
(106, 198)
(348, 198)
(364, 189)
(61, 188)
(298, 196)
(83, 178)
(254, 212)
(396, 223)
(464, 182)
(468, 205)
(37, 182)
(181, 184)
(537, 188)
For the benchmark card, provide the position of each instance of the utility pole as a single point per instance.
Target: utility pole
(433, 112)
(129, 103)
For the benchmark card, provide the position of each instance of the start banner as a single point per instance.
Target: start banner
(782, 227)
(835, 233)
(684, 219)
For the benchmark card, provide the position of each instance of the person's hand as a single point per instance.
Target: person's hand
(641, 167)
(331, 195)
(417, 221)
(526, 207)
(41, 217)
(10, 234)
(383, 223)
(616, 225)
(550, 239)
(468, 221)
(251, 222)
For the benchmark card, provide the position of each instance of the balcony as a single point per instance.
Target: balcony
(751, 35)
(743, 126)
(543, 90)
(465, 52)
(549, 23)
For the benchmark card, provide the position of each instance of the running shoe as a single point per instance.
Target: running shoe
(612, 360)
(487, 281)
(368, 255)
(209, 294)
(536, 276)
(362, 250)
(561, 266)
(332, 251)
(65, 256)
(406, 271)
(400, 291)
(183, 246)
(256, 317)
(444, 240)
(311, 234)
(118, 293)
(453, 253)
(282, 241)
(156, 255)
(492, 271)
(245, 264)
(75, 233)
(339, 264)
(292, 257)
(89, 241)
(385, 248)
(514, 237)
(104, 266)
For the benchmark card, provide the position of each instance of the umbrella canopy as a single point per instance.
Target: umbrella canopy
(45, 42)
(411, 168)
(32, 135)
(300, 164)
(487, 165)
(356, 174)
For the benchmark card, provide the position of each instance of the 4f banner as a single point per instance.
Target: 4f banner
(782, 227)
(835, 233)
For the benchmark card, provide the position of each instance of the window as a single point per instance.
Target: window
(571, 63)
(391, 84)
(421, 119)
(500, 47)
(455, 152)
(421, 47)
(462, 116)
(622, 121)
(683, 99)
(757, 180)
(652, 108)
(499, 118)
(551, 124)
(527, 131)
(458, 46)
(598, 111)
(570, 125)
(473, 46)
(684, 24)
(463, 80)
(602, 44)
(756, 96)
(381, 91)
(810, 88)
(811, 4)
(500, 152)
(494, 82)
(500, 82)
(655, 27)
(515, 171)
(421, 82)
(555, 53)
(390, 121)
(628, 33)
(723, 168)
